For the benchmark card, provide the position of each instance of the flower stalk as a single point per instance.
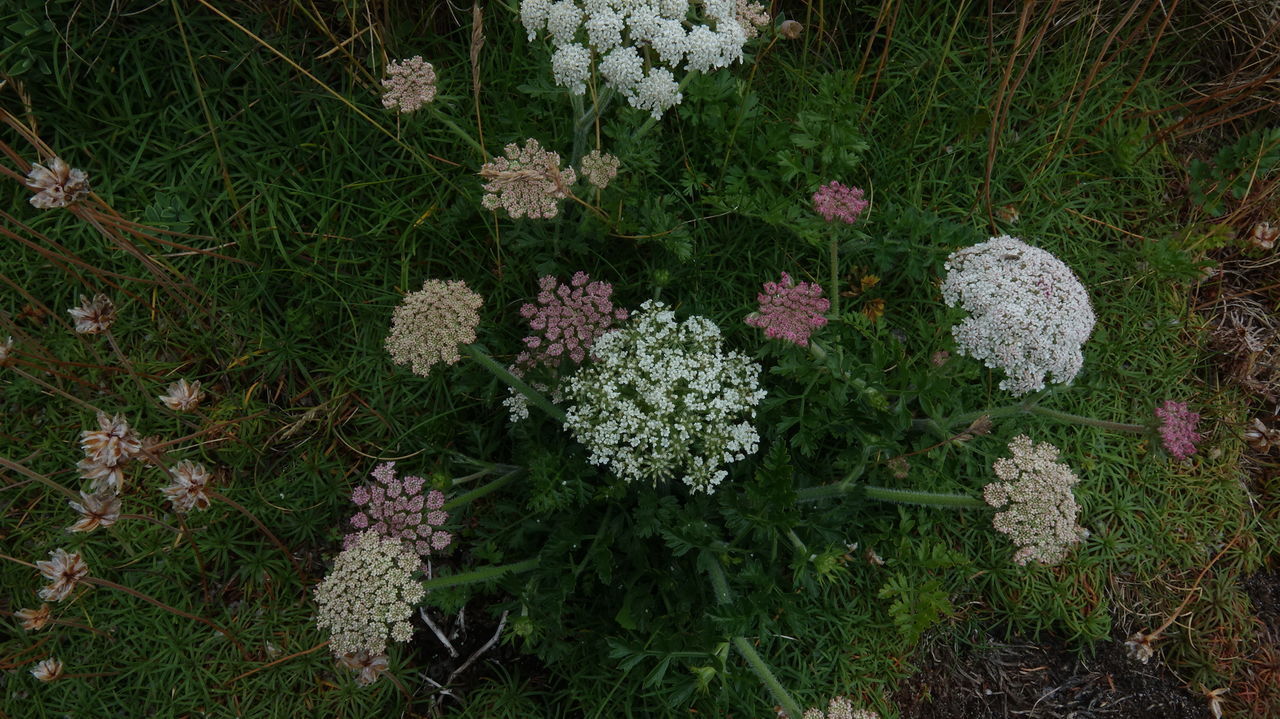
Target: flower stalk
(514, 382)
(483, 574)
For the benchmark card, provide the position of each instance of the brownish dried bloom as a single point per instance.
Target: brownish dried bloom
(1261, 437)
(47, 670)
(939, 358)
(1264, 236)
(64, 569)
(751, 16)
(100, 509)
(1139, 647)
(599, 168)
(190, 487)
(6, 352)
(429, 326)
(369, 666)
(59, 185)
(527, 182)
(103, 477)
(790, 29)
(94, 316)
(112, 444)
(183, 397)
(33, 620)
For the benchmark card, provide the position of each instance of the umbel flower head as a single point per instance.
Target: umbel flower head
(409, 84)
(397, 508)
(1041, 510)
(94, 316)
(566, 320)
(1178, 429)
(840, 708)
(637, 46)
(661, 399)
(1028, 314)
(527, 182)
(429, 325)
(599, 168)
(58, 184)
(182, 396)
(835, 201)
(789, 311)
(64, 570)
(368, 596)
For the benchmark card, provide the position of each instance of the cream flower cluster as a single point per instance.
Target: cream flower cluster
(1041, 513)
(1028, 314)
(369, 595)
(661, 399)
(637, 45)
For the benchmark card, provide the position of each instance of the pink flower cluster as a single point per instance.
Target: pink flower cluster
(789, 311)
(1178, 429)
(566, 320)
(409, 85)
(834, 202)
(393, 507)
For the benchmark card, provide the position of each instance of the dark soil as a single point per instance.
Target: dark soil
(1043, 681)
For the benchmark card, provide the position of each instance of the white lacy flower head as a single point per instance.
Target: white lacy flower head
(693, 35)
(1040, 509)
(661, 399)
(1028, 313)
(369, 595)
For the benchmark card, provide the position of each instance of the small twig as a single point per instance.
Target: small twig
(174, 610)
(278, 661)
(422, 612)
(487, 646)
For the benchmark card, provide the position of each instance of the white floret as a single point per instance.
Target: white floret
(571, 65)
(657, 92)
(563, 20)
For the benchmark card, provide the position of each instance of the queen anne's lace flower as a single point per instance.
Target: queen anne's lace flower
(1040, 514)
(527, 182)
(789, 311)
(1028, 314)
(396, 507)
(840, 708)
(409, 85)
(661, 399)
(599, 168)
(59, 184)
(368, 596)
(835, 201)
(674, 34)
(429, 325)
(1178, 429)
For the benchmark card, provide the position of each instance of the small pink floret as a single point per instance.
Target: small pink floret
(1178, 429)
(835, 201)
(790, 311)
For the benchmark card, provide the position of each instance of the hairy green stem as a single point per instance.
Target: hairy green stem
(1028, 406)
(483, 574)
(887, 494)
(514, 382)
(762, 671)
(482, 490)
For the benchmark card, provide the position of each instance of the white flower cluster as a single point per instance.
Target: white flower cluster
(1028, 314)
(369, 595)
(638, 43)
(660, 399)
(1041, 513)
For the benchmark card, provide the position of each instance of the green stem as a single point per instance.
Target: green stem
(482, 490)
(458, 131)
(795, 542)
(483, 574)
(1028, 407)
(514, 382)
(761, 669)
(887, 494)
(834, 289)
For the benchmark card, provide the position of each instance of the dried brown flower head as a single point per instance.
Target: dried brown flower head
(33, 620)
(190, 486)
(103, 477)
(790, 29)
(183, 396)
(47, 670)
(59, 184)
(369, 666)
(94, 316)
(112, 444)
(1263, 236)
(63, 569)
(6, 352)
(1139, 647)
(100, 509)
(1261, 437)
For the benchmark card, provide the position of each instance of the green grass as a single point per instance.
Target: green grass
(337, 208)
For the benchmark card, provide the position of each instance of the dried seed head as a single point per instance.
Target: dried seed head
(112, 444)
(96, 510)
(47, 670)
(94, 316)
(59, 185)
(190, 487)
(183, 397)
(63, 569)
(1264, 236)
(104, 477)
(6, 353)
(1139, 647)
(1261, 437)
(790, 29)
(33, 620)
(369, 666)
